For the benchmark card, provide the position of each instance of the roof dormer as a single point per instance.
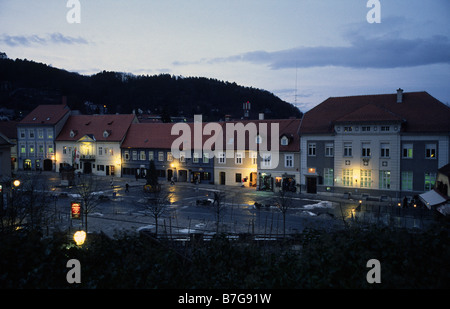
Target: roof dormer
(284, 140)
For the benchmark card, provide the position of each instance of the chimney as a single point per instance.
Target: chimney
(261, 116)
(399, 95)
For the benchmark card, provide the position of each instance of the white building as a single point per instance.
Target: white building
(91, 143)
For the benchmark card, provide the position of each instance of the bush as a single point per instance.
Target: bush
(327, 260)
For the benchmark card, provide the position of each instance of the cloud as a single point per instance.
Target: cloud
(375, 52)
(52, 38)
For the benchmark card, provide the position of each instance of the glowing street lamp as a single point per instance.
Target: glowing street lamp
(16, 183)
(79, 237)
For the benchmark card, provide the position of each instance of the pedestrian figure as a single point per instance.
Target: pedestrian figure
(126, 187)
(171, 181)
(112, 183)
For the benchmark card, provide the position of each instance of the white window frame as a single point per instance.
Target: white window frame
(328, 176)
(385, 180)
(205, 157)
(289, 160)
(347, 177)
(407, 181)
(408, 147)
(311, 149)
(238, 158)
(195, 157)
(329, 149)
(221, 158)
(348, 149)
(384, 150)
(365, 150)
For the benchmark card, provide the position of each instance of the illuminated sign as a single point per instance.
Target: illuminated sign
(76, 210)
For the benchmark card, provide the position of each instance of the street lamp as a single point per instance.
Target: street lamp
(79, 237)
(16, 183)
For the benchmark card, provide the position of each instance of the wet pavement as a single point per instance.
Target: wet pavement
(119, 210)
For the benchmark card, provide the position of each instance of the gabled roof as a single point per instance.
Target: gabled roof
(419, 111)
(94, 126)
(46, 114)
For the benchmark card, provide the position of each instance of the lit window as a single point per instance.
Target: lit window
(366, 178)
(385, 179)
(430, 180)
(430, 151)
(347, 177)
(407, 151)
(407, 181)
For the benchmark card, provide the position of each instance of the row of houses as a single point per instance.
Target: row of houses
(388, 144)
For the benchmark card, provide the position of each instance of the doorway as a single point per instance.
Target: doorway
(311, 185)
(87, 168)
(222, 178)
(27, 164)
(48, 165)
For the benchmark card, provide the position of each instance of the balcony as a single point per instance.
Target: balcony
(87, 157)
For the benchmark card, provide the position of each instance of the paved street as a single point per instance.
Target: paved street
(121, 210)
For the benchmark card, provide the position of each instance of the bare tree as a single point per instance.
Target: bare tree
(24, 204)
(218, 208)
(156, 202)
(283, 200)
(87, 189)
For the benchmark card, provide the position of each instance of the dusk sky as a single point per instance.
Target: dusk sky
(302, 51)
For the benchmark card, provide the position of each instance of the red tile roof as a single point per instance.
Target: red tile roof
(149, 135)
(419, 112)
(158, 135)
(370, 113)
(94, 125)
(46, 114)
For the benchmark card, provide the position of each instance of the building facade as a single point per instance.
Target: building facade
(381, 145)
(36, 135)
(153, 141)
(283, 173)
(91, 143)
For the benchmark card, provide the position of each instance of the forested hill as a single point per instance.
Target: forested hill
(25, 84)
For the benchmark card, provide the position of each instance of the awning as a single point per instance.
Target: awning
(432, 198)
